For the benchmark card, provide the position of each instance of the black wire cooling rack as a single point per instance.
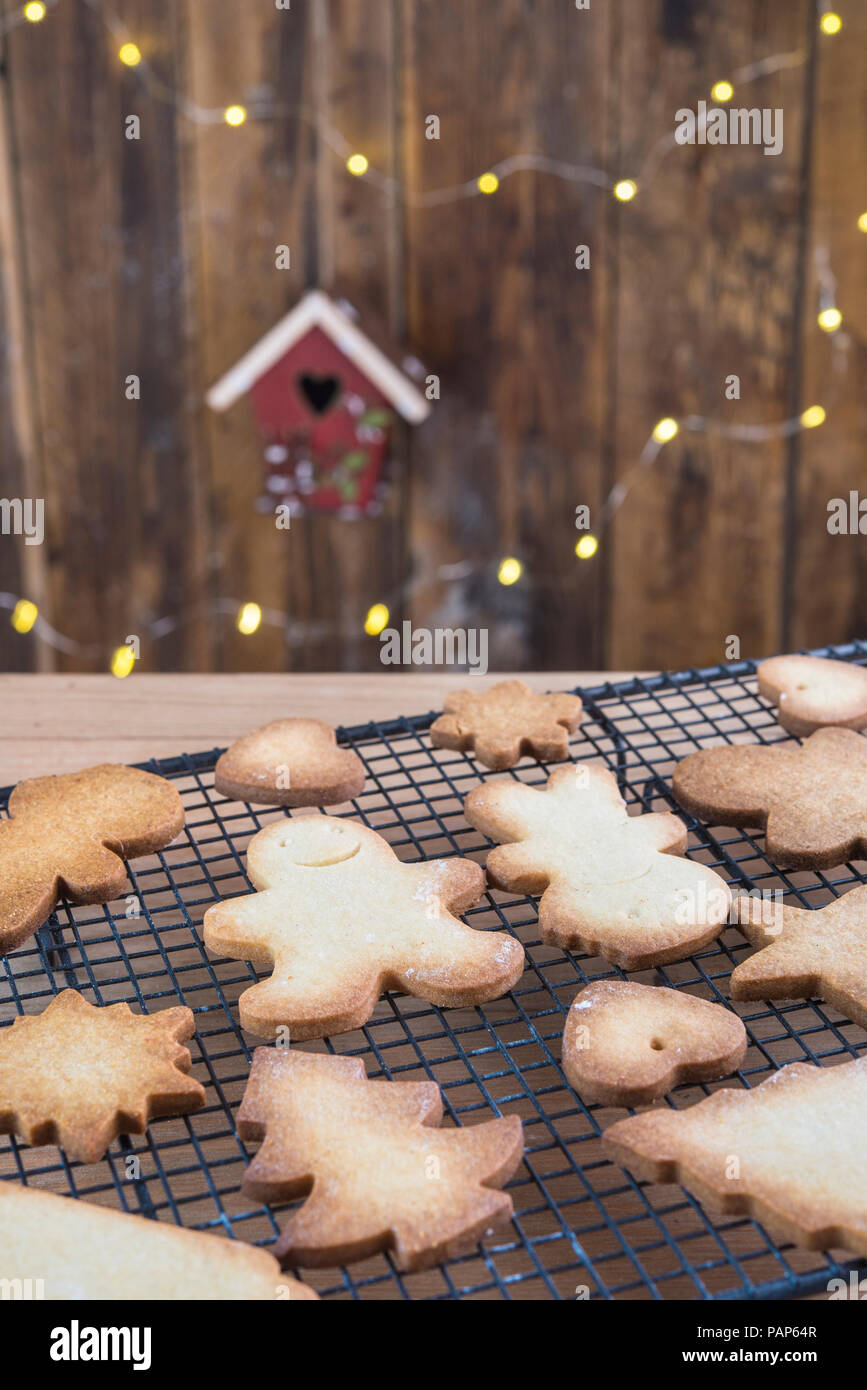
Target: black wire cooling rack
(583, 1228)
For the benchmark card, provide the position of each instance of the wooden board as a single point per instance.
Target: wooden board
(103, 284)
(157, 257)
(708, 265)
(21, 565)
(828, 597)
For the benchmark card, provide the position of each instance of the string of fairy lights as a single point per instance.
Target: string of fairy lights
(248, 615)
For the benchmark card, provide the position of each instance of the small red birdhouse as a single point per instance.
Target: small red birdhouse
(325, 398)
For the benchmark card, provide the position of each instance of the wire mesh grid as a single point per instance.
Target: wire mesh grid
(582, 1226)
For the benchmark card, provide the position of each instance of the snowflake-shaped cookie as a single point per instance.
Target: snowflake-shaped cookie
(78, 1076)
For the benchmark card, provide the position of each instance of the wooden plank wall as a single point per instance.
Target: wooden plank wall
(156, 258)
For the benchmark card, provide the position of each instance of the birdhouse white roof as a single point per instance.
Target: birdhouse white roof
(317, 310)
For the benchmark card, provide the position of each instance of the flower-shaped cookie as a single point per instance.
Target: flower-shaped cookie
(501, 724)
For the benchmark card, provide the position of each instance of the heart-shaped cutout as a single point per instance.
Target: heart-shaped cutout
(319, 391)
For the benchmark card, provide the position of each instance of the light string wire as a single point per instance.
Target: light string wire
(250, 616)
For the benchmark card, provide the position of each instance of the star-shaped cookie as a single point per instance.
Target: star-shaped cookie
(501, 724)
(66, 834)
(78, 1076)
(789, 1153)
(377, 1171)
(339, 919)
(811, 800)
(612, 884)
(292, 762)
(820, 954)
(812, 692)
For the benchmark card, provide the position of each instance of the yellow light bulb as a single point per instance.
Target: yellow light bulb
(34, 11)
(510, 570)
(625, 190)
(122, 662)
(829, 320)
(248, 619)
(722, 91)
(24, 615)
(665, 430)
(488, 183)
(586, 547)
(358, 164)
(862, 222)
(811, 417)
(377, 618)
(830, 23)
(129, 54)
(235, 115)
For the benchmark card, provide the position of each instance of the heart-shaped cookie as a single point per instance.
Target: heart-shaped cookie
(811, 692)
(292, 762)
(629, 1044)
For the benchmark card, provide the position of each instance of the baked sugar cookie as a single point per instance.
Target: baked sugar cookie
(629, 1044)
(499, 725)
(66, 835)
(811, 955)
(78, 1076)
(339, 919)
(612, 884)
(811, 692)
(811, 800)
(79, 1251)
(789, 1153)
(292, 762)
(377, 1171)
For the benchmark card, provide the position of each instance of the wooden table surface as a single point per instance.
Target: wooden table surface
(56, 723)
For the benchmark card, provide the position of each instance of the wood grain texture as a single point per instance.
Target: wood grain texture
(59, 723)
(828, 599)
(707, 257)
(22, 569)
(102, 285)
(157, 257)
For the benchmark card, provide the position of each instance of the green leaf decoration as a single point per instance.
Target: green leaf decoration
(377, 418)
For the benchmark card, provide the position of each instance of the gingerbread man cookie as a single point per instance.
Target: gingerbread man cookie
(820, 954)
(82, 1251)
(78, 1076)
(339, 919)
(377, 1171)
(501, 724)
(66, 835)
(789, 1153)
(629, 1044)
(612, 884)
(811, 800)
(292, 762)
(812, 692)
